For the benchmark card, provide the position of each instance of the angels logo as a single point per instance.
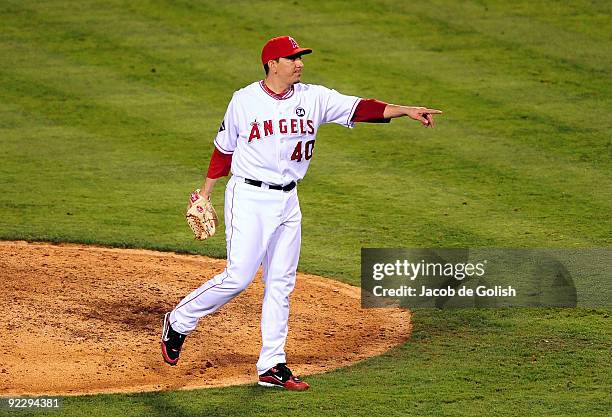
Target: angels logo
(300, 112)
(294, 44)
(255, 134)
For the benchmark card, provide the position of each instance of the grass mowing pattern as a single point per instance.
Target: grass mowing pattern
(107, 114)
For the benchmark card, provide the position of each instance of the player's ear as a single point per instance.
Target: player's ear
(272, 65)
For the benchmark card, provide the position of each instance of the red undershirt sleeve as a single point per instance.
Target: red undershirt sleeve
(370, 111)
(220, 164)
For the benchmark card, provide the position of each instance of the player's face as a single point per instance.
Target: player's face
(290, 69)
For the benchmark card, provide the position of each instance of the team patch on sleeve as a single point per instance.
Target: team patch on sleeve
(222, 127)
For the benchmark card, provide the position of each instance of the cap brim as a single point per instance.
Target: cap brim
(300, 52)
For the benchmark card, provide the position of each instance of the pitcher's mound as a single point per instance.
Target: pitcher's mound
(82, 319)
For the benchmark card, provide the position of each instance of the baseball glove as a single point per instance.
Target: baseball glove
(201, 216)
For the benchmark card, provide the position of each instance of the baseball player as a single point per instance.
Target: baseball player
(267, 140)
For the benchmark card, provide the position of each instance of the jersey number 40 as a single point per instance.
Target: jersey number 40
(297, 152)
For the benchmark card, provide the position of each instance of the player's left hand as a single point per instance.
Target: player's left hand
(423, 115)
(201, 216)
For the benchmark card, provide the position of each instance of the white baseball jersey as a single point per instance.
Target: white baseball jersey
(272, 137)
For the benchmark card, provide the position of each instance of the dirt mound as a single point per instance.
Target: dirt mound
(83, 319)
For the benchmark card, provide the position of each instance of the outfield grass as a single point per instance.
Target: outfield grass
(107, 115)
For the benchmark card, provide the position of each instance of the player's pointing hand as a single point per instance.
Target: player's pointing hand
(423, 115)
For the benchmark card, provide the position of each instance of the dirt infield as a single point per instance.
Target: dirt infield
(83, 319)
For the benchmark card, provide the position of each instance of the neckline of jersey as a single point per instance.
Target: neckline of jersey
(282, 96)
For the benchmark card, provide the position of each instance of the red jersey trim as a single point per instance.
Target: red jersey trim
(352, 113)
(282, 96)
(220, 148)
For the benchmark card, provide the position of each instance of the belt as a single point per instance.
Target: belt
(284, 188)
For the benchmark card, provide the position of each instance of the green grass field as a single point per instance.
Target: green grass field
(108, 110)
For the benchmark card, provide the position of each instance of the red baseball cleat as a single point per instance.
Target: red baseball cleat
(281, 377)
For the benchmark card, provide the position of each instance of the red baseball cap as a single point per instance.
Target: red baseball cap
(280, 47)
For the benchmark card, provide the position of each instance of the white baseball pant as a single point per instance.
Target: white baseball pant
(262, 227)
